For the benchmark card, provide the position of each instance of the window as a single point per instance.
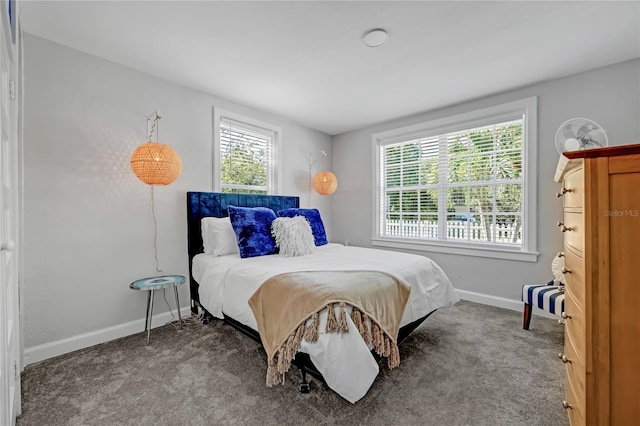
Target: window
(244, 154)
(461, 184)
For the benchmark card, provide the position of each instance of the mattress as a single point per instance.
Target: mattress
(344, 360)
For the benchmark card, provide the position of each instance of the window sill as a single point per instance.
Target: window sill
(449, 248)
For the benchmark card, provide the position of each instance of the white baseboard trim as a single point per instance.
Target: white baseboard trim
(81, 341)
(500, 302)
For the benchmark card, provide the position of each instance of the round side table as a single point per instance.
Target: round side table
(156, 283)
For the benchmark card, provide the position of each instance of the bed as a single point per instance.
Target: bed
(221, 285)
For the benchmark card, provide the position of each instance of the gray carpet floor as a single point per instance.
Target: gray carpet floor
(468, 365)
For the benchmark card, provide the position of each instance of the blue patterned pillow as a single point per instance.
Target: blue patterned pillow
(313, 216)
(253, 230)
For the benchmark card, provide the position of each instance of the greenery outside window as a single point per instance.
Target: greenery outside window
(463, 184)
(244, 154)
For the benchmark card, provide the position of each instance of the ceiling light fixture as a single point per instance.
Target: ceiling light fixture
(375, 38)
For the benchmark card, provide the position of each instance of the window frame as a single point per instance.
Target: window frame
(527, 108)
(273, 176)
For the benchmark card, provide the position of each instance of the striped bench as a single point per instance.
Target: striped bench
(547, 297)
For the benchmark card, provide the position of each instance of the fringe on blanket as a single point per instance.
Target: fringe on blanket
(371, 333)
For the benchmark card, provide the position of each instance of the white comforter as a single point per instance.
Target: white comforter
(227, 282)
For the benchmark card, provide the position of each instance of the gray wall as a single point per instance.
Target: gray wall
(87, 220)
(610, 96)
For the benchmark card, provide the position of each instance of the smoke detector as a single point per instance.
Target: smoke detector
(375, 38)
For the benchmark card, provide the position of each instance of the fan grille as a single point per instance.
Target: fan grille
(579, 134)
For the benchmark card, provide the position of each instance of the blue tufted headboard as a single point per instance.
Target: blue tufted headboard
(215, 204)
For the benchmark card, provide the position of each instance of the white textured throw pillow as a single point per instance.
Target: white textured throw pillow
(293, 236)
(218, 237)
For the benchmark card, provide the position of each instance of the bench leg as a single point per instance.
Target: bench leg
(527, 316)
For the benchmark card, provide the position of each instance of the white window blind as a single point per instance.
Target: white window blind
(460, 186)
(246, 157)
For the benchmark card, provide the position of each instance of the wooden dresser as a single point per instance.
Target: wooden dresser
(601, 227)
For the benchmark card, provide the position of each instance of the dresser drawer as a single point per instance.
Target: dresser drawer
(574, 277)
(577, 406)
(574, 233)
(575, 391)
(574, 325)
(574, 368)
(574, 186)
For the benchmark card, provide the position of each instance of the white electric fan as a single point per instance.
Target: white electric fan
(578, 134)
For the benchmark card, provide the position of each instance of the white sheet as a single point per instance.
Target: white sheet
(227, 282)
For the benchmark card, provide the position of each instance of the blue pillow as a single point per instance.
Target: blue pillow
(253, 230)
(314, 219)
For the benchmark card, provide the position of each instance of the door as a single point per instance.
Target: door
(10, 155)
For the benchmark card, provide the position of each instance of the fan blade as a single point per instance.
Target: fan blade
(585, 129)
(591, 144)
(567, 131)
(597, 134)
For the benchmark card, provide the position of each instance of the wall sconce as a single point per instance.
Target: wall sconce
(324, 182)
(155, 164)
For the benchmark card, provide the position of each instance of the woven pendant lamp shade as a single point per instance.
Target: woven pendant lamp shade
(325, 183)
(156, 163)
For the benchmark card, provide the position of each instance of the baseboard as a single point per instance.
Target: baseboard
(81, 341)
(500, 302)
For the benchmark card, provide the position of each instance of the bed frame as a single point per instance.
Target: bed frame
(215, 204)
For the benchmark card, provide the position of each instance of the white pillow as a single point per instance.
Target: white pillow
(218, 236)
(293, 236)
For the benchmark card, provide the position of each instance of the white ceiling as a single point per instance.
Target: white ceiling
(306, 60)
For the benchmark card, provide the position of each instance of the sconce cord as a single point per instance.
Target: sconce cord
(154, 126)
(155, 230)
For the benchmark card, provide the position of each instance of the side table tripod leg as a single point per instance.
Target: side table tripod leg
(146, 317)
(147, 327)
(175, 291)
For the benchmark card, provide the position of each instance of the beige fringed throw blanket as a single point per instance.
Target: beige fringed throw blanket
(284, 303)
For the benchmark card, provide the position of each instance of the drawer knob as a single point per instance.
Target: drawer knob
(560, 254)
(566, 405)
(566, 270)
(565, 316)
(564, 358)
(563, 191)
(564, 229)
